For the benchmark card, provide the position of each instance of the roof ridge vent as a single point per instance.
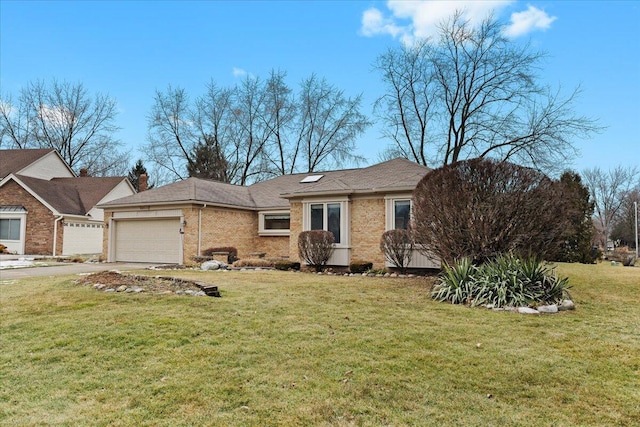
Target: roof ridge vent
(311, 178)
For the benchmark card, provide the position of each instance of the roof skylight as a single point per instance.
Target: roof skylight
(312, 178)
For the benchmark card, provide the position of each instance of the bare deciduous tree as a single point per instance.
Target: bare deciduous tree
(474, 93)
(624, 230)
(171, 134)
(63, 116)
(327, 125)
(608, 190)
(259, 127)
(480, 208)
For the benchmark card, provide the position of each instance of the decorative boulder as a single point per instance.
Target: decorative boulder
(548, 308)
(527, 310)
(566, 304)
(213, 265)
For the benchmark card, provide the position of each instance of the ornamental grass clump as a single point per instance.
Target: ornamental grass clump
(506, 281)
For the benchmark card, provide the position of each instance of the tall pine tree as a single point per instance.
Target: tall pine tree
(209, 161)
(580, 231)
(134, 175)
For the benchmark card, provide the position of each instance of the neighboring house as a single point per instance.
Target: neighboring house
(176, 222)
(45, 209)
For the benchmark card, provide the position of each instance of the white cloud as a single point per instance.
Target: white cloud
(374, 23)
(56, 115)
(528, 20)
(239, 72)
(409, 20)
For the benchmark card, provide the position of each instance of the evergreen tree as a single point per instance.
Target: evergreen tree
(209, 161)
(134, 175)
(580, 230)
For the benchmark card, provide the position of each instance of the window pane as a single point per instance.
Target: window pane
(317, 220)
(276, 222)
(10, 229)
(333, 218)
(14, 229)
(402, 212)
(4, 229)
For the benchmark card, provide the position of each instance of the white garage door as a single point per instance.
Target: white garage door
(156, 240)
(82, 238)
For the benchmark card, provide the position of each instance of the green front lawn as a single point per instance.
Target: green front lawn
(301, 349)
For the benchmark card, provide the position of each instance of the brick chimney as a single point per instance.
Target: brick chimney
(84, 172)
(142, 182)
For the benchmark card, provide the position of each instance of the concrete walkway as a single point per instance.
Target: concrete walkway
(53, 268)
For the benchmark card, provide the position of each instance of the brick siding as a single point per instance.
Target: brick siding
(40, 220)
(367, 225)
(295, 228)
(239, 228)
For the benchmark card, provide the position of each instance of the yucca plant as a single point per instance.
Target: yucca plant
(455, 282)
(503, 281)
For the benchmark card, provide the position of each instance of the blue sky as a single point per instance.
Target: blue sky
(128, 49)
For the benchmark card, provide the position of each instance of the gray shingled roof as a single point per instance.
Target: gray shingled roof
(13, 161)
(72, 196)
(392, 175)
(191, 190)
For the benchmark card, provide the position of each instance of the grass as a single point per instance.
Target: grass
(282, 348)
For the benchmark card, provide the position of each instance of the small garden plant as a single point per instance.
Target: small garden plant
(506, 281)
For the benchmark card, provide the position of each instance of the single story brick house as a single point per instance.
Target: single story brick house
(176, 222)
(45, 209)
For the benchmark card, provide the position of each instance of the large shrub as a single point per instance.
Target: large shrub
(506, 281)
(315, 247)
(481, 208)
(397, 247)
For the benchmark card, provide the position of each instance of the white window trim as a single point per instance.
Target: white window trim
(16, 245)
(264, 232)
(390, 212)
(345, 232)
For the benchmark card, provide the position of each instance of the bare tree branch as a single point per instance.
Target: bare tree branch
(472, 92)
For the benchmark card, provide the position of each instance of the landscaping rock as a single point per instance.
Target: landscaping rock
(121, 288)
(548, 308)
(527, 310)
(566, 304)
(213, 265)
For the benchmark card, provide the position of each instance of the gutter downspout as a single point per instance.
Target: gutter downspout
(55, 233)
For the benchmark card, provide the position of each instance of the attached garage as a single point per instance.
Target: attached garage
(147, 240)
(82, 238)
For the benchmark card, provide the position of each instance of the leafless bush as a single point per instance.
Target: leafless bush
(397, 247)
(481, 208)
(315, 247)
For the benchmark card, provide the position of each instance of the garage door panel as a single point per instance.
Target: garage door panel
(156, 240)
(82, 238)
